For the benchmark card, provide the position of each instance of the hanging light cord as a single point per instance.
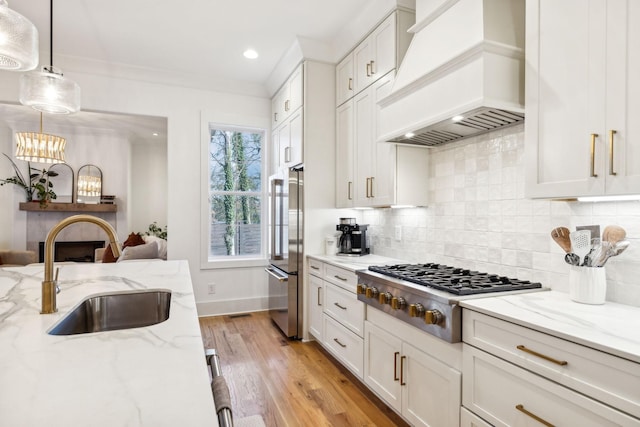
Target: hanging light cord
(51, 69)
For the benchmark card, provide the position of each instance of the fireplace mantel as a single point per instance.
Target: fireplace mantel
(67, 207)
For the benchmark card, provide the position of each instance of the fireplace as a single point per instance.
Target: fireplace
(73, 251)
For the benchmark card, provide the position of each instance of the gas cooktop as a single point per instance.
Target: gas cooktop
(457, 281)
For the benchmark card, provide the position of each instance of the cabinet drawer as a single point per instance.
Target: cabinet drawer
(495, 389)
(344, 278)
(469, 419)
(604, 377)
(346, 346)
(316, 267)
(344, 307)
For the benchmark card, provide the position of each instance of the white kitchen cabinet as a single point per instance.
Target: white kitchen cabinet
(289, 98)
(582, 98)
(506, 395)
(344, 155)
(345, 87)
(342, 306)
(346, 346)
(424, 390)
(290, 140)
(315, 298)
(469, 419)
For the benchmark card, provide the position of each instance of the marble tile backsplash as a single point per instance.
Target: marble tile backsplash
(479, 218)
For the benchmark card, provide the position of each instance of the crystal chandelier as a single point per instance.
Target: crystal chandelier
(47, 90)
(18, 41)
(40, 147)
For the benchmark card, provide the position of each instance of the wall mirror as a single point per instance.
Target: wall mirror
(89, 187)
(63, 183)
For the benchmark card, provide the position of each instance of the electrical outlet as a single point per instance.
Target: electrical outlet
(212, 288)
(398, 232)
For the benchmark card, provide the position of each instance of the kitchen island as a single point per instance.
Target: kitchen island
(149, 376)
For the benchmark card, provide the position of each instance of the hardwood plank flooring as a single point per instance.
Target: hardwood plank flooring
(288, 382)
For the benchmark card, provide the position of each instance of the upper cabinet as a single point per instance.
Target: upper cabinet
(380, 52)
(582, 96)
(287, 117)
(288, 99)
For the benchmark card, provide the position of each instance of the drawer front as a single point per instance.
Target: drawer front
(346, 346)
(604, 377)
(344, 307)
(344, 278)
(469, 419)
(507, 395)
(316, 267)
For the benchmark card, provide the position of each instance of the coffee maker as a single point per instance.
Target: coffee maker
(353, 240)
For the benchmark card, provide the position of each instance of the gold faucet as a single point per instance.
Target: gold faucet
(49, 286)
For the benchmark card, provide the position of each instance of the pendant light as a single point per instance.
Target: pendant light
(48, 90)
(18, 41)
(40, 147)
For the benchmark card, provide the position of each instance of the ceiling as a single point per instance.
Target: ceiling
(202, 40)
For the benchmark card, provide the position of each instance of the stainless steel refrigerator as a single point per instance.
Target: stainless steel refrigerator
(286, 226)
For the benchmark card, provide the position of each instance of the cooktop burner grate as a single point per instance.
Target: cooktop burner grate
(454, 280)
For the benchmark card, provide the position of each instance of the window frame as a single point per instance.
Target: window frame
(259, 125)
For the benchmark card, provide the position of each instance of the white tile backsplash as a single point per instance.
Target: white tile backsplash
(478, 218)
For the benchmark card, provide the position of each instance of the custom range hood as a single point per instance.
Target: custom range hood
(462, 75)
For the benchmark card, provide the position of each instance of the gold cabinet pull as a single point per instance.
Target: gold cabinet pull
(314, 267)
(542, 356)
(593, 155)
(367, 187)
(340, 306)
(395, 365)
(339, 343)
(371, 184)
(286, 105)
(275, 117)
(368, 69)
(402, 370)
(611, 134)
(520, 408)
(319, 303)
(350, 190)
(372, 72)
(340, 278)
(350, 87)
(287, 154)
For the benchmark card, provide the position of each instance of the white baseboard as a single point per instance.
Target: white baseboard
(219, 308)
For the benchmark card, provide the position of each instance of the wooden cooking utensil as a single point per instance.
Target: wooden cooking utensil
(613, 234)
(561, 235)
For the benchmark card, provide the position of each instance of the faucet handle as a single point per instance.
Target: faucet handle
(56, 280)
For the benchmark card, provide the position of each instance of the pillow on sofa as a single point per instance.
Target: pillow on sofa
(134, 239)
(162, 245)
(146, 251)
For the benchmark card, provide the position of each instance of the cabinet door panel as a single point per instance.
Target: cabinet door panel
(296, 90)
(344, 155)
(383, 45)
(363, 134)
(361, 69)
(294, 155)
(314, 305)
(565, 94)
(345, 84)
(345, 308)
(432, 393)
(382, 364)
(384, 178)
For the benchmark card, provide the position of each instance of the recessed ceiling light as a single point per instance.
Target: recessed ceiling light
(250, 54)
(155, 134)
(409, 135)
(457, 118)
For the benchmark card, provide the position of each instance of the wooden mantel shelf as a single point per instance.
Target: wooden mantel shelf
(67, 207)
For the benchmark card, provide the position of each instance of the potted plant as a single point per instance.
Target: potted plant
(38, 183)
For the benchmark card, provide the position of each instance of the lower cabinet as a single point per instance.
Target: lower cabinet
(469, 419)
(315, 302)
(346, 346)
(425, 391)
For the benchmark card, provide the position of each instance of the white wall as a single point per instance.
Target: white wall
(246, 288)
(148, 186)
(478, 218)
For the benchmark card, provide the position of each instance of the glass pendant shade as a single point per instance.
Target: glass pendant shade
(40, 147)
(48, 91)
(18, 41)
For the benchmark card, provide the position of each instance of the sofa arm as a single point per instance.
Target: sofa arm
(11, 257)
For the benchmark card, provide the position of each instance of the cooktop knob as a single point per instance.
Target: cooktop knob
(385, 298)
(416, 310)
(371, 292)
(398, 303)
(361, 288)
(433, 317)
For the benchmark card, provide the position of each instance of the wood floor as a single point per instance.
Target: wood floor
(288, 383)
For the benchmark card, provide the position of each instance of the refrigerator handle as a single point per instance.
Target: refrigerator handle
(273, 273)
(277, 225)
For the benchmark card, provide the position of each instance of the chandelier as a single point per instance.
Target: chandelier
(40, 147)
(18, 41)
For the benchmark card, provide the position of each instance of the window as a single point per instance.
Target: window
(236, 228)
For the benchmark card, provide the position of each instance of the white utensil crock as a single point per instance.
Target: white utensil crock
(587, 285)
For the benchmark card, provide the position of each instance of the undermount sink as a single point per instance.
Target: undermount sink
(113, 311)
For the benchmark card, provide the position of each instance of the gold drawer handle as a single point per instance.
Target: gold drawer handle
(542, 356)
(350, 83)
(339, 306)
(339, 343)
(402, 370)
(319, 303)
(340, 278)
(611, 134)
(395, 365)
(315, 268)
(593, 155)
(534, 416)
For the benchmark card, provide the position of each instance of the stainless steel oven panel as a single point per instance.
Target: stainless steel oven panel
(450, 329)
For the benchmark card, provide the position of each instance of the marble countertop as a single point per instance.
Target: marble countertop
(151, 376)
(610, 327)
(355, 263)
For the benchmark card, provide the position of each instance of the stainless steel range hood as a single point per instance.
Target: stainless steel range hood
(462, 75)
